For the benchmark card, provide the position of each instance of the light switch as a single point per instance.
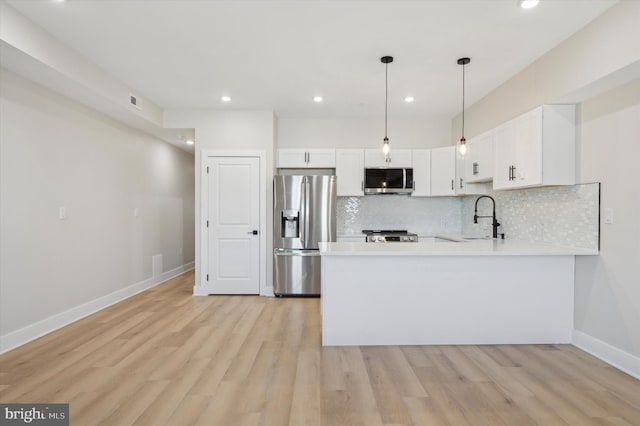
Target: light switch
(608, 215)
(136, 212)
(62, 213)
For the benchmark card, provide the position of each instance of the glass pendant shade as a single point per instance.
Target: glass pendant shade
(462, 147)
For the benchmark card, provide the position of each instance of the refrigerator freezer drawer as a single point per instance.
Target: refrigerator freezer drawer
(296, 273)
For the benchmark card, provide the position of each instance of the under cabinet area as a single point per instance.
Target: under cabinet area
(350, 172)
(536, 149)
(306, 158)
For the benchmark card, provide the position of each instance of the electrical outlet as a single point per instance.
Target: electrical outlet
(136, 212)
(62, 213)
(443, 223)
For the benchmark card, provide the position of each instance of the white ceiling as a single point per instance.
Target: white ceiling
(279, 54)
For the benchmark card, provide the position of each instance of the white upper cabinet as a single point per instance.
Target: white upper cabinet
(396, 158)
(306, 158)
(350, 172)
(536, 149)
(443, 171)
(463, 186)
(421, 163)
(478, 163)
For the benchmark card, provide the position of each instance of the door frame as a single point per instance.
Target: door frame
(201, 286)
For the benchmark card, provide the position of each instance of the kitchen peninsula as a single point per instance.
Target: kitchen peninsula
(471, 292)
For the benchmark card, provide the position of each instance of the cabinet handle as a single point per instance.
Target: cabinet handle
(362, 185)
(452, 184)
(514, 172)
(476, 168)
(461, 183)
(510, 173)
(306, 157)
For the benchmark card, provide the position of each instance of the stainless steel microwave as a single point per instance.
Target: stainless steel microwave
(388, 181)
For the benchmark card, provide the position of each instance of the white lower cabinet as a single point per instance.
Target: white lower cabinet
(350, 172)
(421, 159)
(443, 171)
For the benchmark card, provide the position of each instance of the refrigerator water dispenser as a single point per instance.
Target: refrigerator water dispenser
(290, 224)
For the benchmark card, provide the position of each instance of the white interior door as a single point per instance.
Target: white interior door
(233, 232)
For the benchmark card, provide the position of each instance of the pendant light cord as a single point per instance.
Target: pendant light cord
(463, 65)
(386, 91)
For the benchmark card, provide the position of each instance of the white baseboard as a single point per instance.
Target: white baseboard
(618, 358)
(31, 332)
(200, 290)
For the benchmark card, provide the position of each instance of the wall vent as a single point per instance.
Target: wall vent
(135, 101)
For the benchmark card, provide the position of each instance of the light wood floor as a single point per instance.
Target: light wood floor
(165, 357)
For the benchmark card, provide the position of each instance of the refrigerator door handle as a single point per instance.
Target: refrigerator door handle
(307, 193)
(303, 213)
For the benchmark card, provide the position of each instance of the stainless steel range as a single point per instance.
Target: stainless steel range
(390, 236)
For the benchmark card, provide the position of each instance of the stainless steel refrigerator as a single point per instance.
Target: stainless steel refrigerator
(304, 215)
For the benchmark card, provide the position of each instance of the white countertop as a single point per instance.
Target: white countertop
(450, 248)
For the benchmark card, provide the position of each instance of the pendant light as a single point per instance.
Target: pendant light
(386, 60)
(462, 147)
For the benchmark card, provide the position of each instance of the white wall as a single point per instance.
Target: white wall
(607, 308)
(231, 131)
(608, 286)
(361, 133)
(55, 152)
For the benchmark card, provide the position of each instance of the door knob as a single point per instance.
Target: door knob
(254, 232)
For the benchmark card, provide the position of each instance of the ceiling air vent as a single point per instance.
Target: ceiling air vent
(135, 101)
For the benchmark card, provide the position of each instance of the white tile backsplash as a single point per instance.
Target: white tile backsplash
(424, 216)
(567, 215)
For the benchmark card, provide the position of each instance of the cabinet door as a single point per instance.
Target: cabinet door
(462, 185)
(421, 163)
(293, 158)
(350, 172)
(528, 149)
(320, 158)
(503, 155)
(397, 158)
(375, 158)
(479, 161)
(443, 171)
(400, 158)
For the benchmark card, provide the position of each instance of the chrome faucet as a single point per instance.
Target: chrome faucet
(495, 223)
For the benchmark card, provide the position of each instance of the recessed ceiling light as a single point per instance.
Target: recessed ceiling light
(528, 4)
(59, 1)
(409, 99)
(225, 98)
(317, 99)
(189, 142)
